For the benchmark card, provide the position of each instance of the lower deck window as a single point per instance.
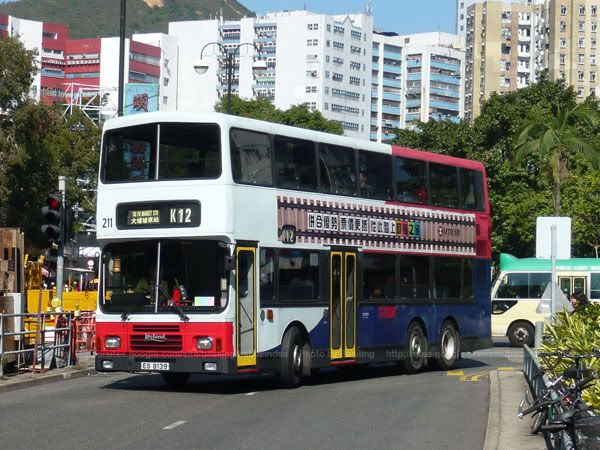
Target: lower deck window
(298, 275)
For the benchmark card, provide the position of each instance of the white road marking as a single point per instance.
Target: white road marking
(251, 393)
(174, 425)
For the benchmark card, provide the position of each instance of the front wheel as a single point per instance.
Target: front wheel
(449, 347)
(416, 349)
(292, 358)
(521, 333)
(538, 420)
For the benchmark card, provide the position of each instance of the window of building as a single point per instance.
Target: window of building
(311, 73)
(562, 58)
(579, 92)
(312, 42)
(295, 166)
(563, 10)
(581, 26)
(581, 59)
(313, 26)
(311, 89)
(593, 42)
(298, 275)
(593, 92)
(563, 26)
(165, 100)
(328, 27)
(563, 42)
(593, 76)
(594, 27)
(594, 10)
(379, 276)
(582, 10)
(581, 42)
(593, 60)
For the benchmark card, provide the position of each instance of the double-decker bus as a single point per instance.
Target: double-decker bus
(231, 245)
(521, 284)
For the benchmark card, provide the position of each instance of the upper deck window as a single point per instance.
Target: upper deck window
(251, 157)
(295, 163)
(410, 181)
(187, 151)
(471, 189)
(338, 170)
(443, 182)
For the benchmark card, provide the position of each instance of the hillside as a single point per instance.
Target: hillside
(87, 19)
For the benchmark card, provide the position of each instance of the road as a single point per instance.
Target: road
(377, 407)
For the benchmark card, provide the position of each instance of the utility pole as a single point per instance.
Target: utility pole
(60, 259)
(122, 59)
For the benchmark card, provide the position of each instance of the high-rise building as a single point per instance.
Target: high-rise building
(573, 43)
(461, 18)
(73, 71)
(505, 49)
(415, 77)
(318, 59)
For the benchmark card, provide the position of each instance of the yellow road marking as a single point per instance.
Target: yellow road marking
(455, 373)
(506, 369)
(476, 377)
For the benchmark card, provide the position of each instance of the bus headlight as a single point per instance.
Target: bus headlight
(204, 343)
(112, 342)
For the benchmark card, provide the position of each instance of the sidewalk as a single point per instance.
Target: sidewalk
(505, 431)
(84, 368)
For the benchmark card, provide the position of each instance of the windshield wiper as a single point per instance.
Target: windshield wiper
(172, 305)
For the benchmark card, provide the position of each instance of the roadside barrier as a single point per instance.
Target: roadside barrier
(537, 383)
(58, 340)
(85, 332)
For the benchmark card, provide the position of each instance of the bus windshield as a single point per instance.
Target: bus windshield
(151, 276)
(186, 151)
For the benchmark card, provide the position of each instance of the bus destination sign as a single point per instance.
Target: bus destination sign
(158, 215)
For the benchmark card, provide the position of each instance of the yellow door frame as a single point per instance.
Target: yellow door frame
(343, 351)
(245, 360)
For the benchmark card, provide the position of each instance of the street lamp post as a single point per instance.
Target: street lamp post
(258, 66)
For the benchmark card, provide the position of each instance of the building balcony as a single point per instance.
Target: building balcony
(523, 38)
(414, 63)
(412, 117)
(413, 103)
(445, 92)
(390, 109)
(391, 83)
(414, 76)
(445, 78)
(392, 96)
(392, 69)
(444, 105)
(446, 66)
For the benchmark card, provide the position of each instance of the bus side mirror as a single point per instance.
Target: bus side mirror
(229, 262)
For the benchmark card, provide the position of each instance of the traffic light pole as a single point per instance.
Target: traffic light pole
(60, 260)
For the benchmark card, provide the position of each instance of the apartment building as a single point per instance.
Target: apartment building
(573, 43)
(318, 59)
(415, 77)
(505, 49)
(75, 70)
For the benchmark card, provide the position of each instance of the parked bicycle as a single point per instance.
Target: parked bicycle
(560, 408)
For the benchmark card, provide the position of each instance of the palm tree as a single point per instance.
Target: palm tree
(555, 136)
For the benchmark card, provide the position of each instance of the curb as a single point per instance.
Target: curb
(53, 378)
(492, 433)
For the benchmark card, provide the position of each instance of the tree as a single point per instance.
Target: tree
(582, 199)
(296, 116)
(17, 68)
(555, 136)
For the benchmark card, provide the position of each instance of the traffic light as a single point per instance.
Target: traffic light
(53, 214)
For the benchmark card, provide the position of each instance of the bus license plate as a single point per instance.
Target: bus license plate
(155, 366)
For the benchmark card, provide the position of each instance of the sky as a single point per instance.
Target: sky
(399, 16)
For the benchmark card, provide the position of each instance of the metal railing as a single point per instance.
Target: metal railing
(537, 384)
(61, 335)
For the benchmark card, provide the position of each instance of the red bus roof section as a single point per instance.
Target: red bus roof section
(437, 158)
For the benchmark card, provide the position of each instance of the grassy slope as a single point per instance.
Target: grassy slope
(86, 19)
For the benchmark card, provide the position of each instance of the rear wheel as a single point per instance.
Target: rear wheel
(449, 347)
(175, 378)
(292, 358)
(521, 333)
(416, 349)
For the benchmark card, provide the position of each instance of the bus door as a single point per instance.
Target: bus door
(342, 304)
(572, 284)
(245, 306)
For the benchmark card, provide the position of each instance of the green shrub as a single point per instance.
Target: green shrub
(578, 333)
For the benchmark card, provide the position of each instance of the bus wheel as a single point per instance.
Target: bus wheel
(521, 333)
(416, 349)
(175, 378)
(449, 347)
(292, 358)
